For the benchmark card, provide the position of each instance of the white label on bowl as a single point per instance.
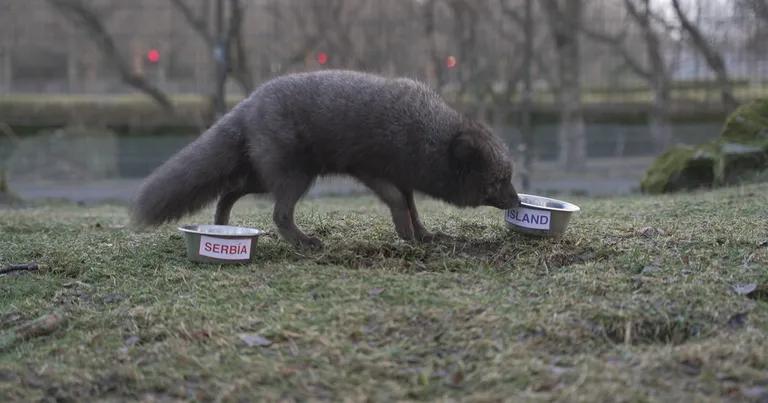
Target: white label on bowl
(222, 248)
(529, 218)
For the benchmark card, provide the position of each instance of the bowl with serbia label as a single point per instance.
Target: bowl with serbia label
(540, 216)
(220, 243)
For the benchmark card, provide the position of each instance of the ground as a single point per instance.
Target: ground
(645, 298)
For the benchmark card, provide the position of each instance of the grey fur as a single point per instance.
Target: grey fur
(395, 135)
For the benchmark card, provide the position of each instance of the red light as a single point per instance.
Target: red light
(322, 57)
(153, 55)
(450, 62)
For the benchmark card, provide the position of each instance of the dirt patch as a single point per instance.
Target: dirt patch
(579, 255)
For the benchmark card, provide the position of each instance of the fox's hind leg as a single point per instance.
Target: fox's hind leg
(224, 206)
(228, 199)
(287, 192)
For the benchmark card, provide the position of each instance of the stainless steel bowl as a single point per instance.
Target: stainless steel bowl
(540, 216)
(220, 243)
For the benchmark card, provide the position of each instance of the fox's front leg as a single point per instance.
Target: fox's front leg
(421, 233)
(287, 193)
(398, 206)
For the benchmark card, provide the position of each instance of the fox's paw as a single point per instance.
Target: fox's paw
(309, 242)
(427, 237)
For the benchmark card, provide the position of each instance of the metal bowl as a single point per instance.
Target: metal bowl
(220, 243)
(540, 216)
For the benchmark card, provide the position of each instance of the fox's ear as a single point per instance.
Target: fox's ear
(467, 151)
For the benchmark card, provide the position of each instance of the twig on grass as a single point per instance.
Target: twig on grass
(20, 267)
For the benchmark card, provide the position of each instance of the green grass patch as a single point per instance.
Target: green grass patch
(636, 302)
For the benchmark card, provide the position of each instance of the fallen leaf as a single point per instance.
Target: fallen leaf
(737, 321)
(375, 292)
(132, 340)
(745, 289)
(755, 392)
(650, 269)
(649, 232)
(200, 334)
(557, 370)
(691, 367)
(288, 371)
(252, 340)
(41, 326)
(112, 298)
(457, 378)
(76, 284)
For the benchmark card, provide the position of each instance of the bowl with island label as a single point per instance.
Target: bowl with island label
(540, 216)
(220, 243)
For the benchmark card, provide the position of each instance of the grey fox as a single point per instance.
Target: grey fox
(395, 135)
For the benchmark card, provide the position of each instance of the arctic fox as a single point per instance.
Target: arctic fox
(395, 135)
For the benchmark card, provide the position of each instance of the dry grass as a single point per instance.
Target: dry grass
(635, 303)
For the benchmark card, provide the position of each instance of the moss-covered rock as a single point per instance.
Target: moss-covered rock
(748, 124)
(745, 143)
(739, 153)
(681, 168)
(736, 162)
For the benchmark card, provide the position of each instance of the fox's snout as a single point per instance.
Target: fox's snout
(506, 199)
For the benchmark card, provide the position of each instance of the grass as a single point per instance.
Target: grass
(635, 303)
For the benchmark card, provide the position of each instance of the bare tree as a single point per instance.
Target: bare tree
(656, 74)
(525, 22)
(86, 18)
(429, 24)
(713, 58)
(321, 24)
(564, 18)
(759, 7)
(226, 45)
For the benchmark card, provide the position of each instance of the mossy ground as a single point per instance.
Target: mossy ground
(636, 302)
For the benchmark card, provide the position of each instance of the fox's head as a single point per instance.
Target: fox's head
(483, 168)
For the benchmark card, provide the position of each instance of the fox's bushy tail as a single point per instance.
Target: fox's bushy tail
(193, 177)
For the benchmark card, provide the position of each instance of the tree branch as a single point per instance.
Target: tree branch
(760, 7)
(197, 24)
(617, 43)
(714, 60)
(242, 70)
(84, 17)
(510, 12)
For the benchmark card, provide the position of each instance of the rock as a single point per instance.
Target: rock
(681, 168)
(740, 153)
(748, 124)
(253, 340)
(744, 151)
(738, 162)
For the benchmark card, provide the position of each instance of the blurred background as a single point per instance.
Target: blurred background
(94, 94)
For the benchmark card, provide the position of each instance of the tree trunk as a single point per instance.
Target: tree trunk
(6, 79)
(572, 135)
(658, 121)
(526, 128)
(661, 132)
(220, 57)
(564, 21)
